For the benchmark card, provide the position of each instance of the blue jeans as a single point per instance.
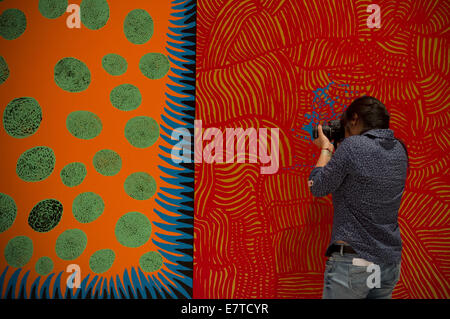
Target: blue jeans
(343, 280)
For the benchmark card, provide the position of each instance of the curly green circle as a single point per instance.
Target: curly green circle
(73, 174)
(125, 97)
(114, 64)
(19, 251)
(107, 162)
(102, 260)
(142, 131)
(94, 14)
(45, 215)
(4, 70)
(8, 212)
(84, 125)
(154, 65)
(13, 23)
(151, 261)
(133, 229)
(52, 9)
(72, 75)
(36, 164)
(44, 266)
(138, 26)
(140, 186)
(70, 244)
(22, 117)
(87, 207)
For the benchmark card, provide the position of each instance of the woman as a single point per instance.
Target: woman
(366, 177)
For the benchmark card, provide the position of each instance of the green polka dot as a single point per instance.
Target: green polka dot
(73, 174)
(72, 75)
(154, 65)
(44, 266)
(94, 13)
(140, 186)
(36, 164)
(70, 244)
(125, 97)
(12, 24)
(53, 9)
(8, 212)
(142, 131)
(45, 215)
(114, 64)
(138, 26)
(151, 261)
(84, 125)
(133, 229)
(101, 260)
(87, 207)
(4, 70)
(22, 117)
(107, 162)
(19, 251)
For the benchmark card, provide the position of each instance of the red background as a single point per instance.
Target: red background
(258, 62)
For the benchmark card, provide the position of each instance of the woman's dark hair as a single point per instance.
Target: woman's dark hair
(372, 113)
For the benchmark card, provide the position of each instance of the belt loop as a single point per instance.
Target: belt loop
(342, 250)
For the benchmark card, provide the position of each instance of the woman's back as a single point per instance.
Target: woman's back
(367, 201)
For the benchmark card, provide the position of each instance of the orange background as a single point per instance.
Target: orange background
(31, 59)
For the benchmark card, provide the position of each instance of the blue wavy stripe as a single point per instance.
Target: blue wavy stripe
(179, 199)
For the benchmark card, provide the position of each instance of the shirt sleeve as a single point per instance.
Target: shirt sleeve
(327, 179)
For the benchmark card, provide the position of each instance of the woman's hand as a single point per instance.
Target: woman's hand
(322, 141)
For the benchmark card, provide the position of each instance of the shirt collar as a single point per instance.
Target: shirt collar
(381, 133)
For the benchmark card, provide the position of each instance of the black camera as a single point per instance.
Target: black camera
(334, 131)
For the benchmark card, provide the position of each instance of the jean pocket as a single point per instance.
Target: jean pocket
(357, 280)
(390, 275)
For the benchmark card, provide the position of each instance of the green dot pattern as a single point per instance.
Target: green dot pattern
(18, 251)
(142, 131)
(22, 117)
(94, 14)
(101, 260)
(73, 174)
(107, 162)
(140, 186)
(138, 26)
(133, 229)
(154, 65)
(70, 244)
(12, 24)
(114, 64)
(36, 164)
(4, 70)
(151, 261)
(87, 207)
(45, 215)
(8, 212)
(72, 75)
(84, 125)
(125, 97)
(44, 266)
(52, 9)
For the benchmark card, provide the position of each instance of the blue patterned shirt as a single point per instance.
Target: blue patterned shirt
(366, 177)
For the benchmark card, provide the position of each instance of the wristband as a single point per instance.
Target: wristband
(330, 153)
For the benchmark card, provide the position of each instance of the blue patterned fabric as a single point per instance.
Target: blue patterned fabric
(366, 177)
